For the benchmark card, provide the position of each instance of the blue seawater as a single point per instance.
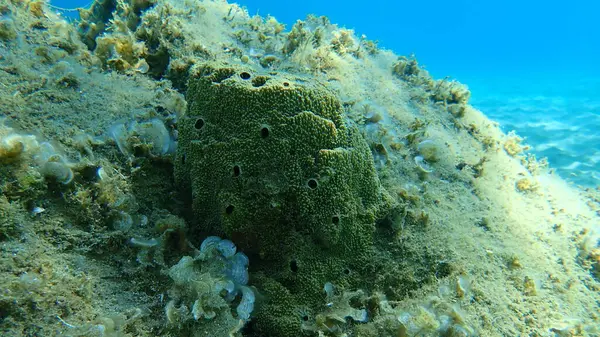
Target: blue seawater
(531, 65)
(559, 119)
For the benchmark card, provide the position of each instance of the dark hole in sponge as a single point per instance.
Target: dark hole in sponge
(229, 209)
(237, 171)
(90, 173)
(199, 124)
(183, 159)
(346, 271)
(312, 183)
(140, 151)
(286, 84)
(305, 318)
(335, 219)
(294, 266)
(264, 132)
(245, 75)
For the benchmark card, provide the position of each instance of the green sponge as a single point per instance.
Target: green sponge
(273, 165)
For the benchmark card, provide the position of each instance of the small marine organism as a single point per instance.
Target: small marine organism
(53, 165)
(142, 138)
(15, 146)
(422, 164)
(207, 287)
(429, 150)
(11, 147)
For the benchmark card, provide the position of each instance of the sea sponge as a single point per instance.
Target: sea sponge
(273, 164)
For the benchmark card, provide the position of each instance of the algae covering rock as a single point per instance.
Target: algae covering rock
(273, 165)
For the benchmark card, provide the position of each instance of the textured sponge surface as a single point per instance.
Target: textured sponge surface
(273, 165)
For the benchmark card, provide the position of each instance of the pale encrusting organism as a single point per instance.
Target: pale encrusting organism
(175, 168)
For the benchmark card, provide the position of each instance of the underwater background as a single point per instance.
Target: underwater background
(530, 65)
(198, 168)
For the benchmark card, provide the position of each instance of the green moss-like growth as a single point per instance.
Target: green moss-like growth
(273, 165)
(452, 94)
(95, 19)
